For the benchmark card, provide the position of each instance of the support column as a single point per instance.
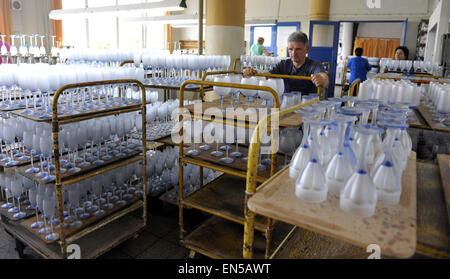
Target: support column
(347, 35)
(320, 10)
(225, 27)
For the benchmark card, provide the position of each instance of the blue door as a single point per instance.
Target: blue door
(323, 42)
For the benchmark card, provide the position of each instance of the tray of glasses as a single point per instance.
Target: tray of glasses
(233, 162)
(67, 112)
(19, 161)
(82, 169)
(70, 229)
(427, 115)
(25, 210)
(244, 111)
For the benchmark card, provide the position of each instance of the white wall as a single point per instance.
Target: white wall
(391, 30)
(33, 19)
(438, 24)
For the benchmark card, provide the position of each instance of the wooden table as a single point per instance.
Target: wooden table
(393, 228)
(444, 167)
(426, 114)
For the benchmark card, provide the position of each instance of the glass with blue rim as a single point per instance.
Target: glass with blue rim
(359, 196)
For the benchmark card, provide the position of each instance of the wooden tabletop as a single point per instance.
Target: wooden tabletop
(393, 228)
(426, 114)
(444, 167)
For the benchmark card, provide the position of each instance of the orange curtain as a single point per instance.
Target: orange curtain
(5, 19)
(373, 47)
(57, 24)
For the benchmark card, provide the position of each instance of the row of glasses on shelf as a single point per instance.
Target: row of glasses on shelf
(30, 140)
(437, 99)
(390, 91)
(261, 63)
(171, 69)
(30, 48)
(105, 57)
(30, 87)
(344, 153)
(82, 201)
(407, 65)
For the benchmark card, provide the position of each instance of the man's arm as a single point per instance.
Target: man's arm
(320, 79)
(267, 53)
(319, 76)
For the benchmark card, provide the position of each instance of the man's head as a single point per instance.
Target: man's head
(401, 53)
(358, 51)
(298, 47)
(260, 40)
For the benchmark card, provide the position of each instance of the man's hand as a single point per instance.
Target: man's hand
(320, 79)
(250, 72)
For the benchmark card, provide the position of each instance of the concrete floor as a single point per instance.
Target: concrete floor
(159, 240)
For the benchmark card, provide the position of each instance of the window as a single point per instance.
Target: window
(74, 29)
(101, 3)
(106, 31)
(130, 34)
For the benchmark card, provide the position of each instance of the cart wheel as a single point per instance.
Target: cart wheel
(191, 254)
(19, 248)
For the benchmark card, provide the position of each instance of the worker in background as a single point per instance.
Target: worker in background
(401, 53)
(300, 65)
(259, 49)
(358, 66)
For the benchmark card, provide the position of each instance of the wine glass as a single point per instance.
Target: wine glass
(387, 178)
(46, 149)
(40, 197)
(32, 196)
(359, 196)
(49, 204)
(220, 90)
(311, 185)
(302, 154)
(339, 169)
(287, 142)
(74, 200)
(16, 189)
(218, 136)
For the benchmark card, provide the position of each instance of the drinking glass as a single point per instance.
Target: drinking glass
(359, 196)
(339, 169)
(49, 204)
(311, 185)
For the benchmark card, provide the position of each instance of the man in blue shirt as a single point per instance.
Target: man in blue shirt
(358, 66)
(299, 65)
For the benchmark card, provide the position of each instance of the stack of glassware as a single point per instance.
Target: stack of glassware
(390, 91)
(261, 63)
(82, 201)
(343, 153)
(437, 100)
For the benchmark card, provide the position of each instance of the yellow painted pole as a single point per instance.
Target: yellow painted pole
(252, 171)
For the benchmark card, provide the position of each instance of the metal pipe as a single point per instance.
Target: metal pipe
(200, 27)
(251, 178)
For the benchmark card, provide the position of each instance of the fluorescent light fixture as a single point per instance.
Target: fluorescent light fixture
(253, 22)
(161, 5)
(172, 19)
